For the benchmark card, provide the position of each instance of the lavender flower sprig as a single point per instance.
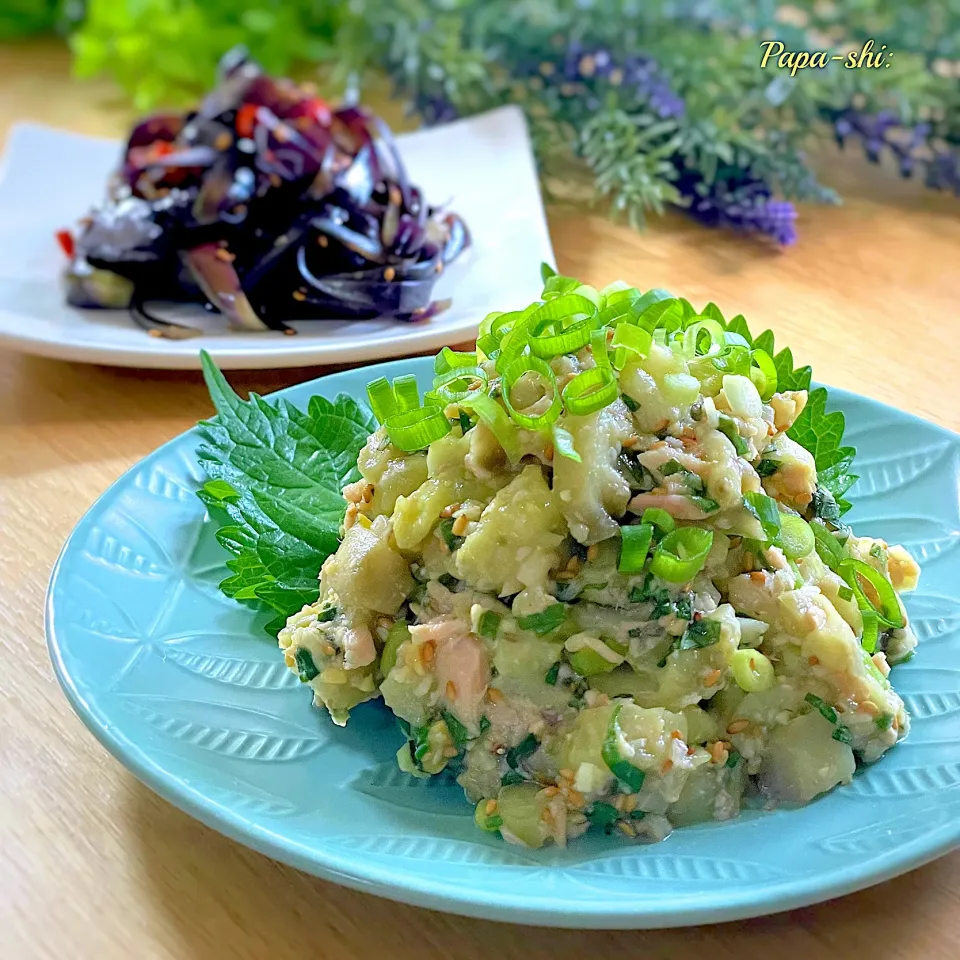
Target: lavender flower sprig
(910, 145)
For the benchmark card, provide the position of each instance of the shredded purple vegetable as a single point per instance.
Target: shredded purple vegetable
(265, 205)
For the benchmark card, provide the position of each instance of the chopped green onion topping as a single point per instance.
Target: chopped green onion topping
(887, 606)
(561, 325)
(498, 422)
(706, 504)
(552, 675)
(871, 629)
(383, 401)
(767, 467)
(728, 427)
(796, 538)
(884, 721)
(629, 339)
(456, 384)
(544, 622)
(659, 518)
(844, 593)
(681, 554)
(531, 364)
(763, 373)
(489, 624)
(634, 544)
(488, 822)
(830, 550)
(448, 359)
(733, 759)
(563, 443)
(306, 668)
(765, 509)
(590, 391)
(407, 393)
(511, 778)
(671, 467)
(416, 429)
(632, 404)
(625, 772)
(327, 613)
(523, 749)
(692, 338)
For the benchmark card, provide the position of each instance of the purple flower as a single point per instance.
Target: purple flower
(909, 144)
(739, 201)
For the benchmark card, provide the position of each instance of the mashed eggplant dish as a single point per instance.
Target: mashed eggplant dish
(600, 576)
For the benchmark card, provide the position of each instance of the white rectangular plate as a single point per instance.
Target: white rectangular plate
(481, 167)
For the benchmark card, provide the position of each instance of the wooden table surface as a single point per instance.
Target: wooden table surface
(92, 864)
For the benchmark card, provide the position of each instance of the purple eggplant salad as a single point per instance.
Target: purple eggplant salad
(265, 204)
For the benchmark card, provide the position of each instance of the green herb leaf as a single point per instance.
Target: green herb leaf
(458, 732)
(603, 814)
(276, 474)
(701, 633)
(826, 711)
(523, 749)
(544, 622)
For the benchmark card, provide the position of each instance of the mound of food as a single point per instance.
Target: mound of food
(600, 575)
(267, 205)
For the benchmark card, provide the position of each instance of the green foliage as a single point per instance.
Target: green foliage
(166, 51)
(630, 159)
(275, 476)
(461, 56)
(21, 18)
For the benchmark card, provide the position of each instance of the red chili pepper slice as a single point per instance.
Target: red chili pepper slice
(246, 117)
(65, 239)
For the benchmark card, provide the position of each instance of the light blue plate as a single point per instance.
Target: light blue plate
(182, 686)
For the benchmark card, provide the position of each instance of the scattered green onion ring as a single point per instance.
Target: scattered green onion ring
(455, 385)
(634, 544)
(598, 347)
(629, 775)
(763, 373)
(415, 429)
(831, 553)
(752, 670)
(708, 326)
(407, 393)
(591, 390)
(681, 554)
(765, 509)
(497, 421)
(871, 629)
(383, 401)
(659, 518)
(889, 611)
(448, 359)
(554, 327)
(797, 540)
(531, 364)
(628, 338)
